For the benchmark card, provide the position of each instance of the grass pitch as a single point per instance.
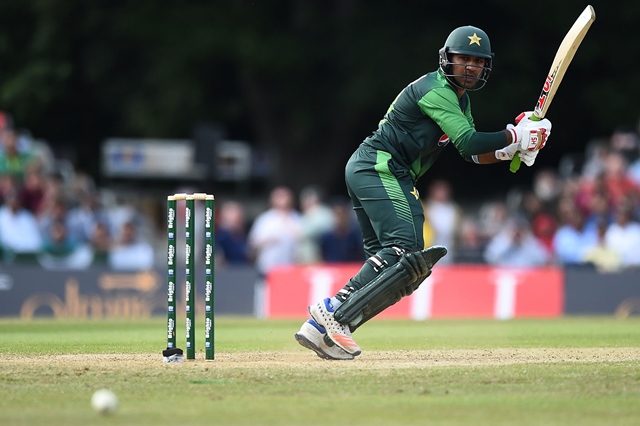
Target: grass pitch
(570, 371)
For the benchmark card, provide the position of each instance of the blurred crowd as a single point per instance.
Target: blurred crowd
(586, 212)
(54, 215)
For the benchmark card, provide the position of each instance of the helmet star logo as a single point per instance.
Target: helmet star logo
(474, 39)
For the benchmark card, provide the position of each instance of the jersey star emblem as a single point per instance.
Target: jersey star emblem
(474, 39)
(415, 193)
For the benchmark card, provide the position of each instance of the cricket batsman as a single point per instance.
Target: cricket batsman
(429, 114)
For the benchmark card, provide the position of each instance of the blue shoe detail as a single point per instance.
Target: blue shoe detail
(317, 326)
(328, 305)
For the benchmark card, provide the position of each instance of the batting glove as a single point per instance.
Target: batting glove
(532, 135)
(507, 152)
(528, 157)
(535, 135)
(521, 121)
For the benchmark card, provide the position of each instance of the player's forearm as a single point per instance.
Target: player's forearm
(479, 143)
(492, 157)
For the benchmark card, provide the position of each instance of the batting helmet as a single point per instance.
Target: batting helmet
(470, 41)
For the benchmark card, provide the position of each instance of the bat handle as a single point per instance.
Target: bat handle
(515, 161)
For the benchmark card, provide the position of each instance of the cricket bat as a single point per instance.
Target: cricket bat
(561, 62)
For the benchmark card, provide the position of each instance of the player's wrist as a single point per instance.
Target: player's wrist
(514, 132)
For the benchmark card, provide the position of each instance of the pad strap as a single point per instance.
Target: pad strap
(377, 263)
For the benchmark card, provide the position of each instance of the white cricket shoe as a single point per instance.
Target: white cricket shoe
(322, 313)
(313, 336)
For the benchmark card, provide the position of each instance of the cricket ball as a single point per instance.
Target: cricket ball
(104, 401)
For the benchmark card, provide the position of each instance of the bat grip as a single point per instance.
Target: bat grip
(515, 161)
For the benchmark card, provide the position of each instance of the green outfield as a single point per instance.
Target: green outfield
(572, 371)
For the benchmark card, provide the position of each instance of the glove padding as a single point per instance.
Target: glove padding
(528, 157)
(507, 152)
(532, 135)
(535, 135)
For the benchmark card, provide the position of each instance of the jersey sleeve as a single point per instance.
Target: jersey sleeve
(442, 106)
(467, 114)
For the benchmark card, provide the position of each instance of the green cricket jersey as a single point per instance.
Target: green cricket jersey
(422, 120)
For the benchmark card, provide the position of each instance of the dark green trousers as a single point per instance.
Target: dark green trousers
(385, 201)
(388, 209)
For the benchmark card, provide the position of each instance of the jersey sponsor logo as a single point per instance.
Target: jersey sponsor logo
(415, 193)
(444, 139)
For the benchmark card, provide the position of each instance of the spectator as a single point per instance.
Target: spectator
(444, 216)
(547, 187)
(87, 214)
(273, 239)
(101, 242)
(615, 182)
(623, 236)
(343, 242)
(634, 172)
(12, 160)
(58, 212)
(33, 191)
(570, 189)
(634, 168)
(492, 218)
(595, 157)
(619, 184)
(131, 253)
(19, 231)
(602, 257)
(543, 224)
(471, 245)
(54, 189)
(625, 141)
(317, 218)
(6, 123)
(544, 228)
(8, 184)
(120, 212)
(57, 241)
(573, 239)
(61, 252)
(231, 235)
(599, 211)
(516, 246)
(428, 234)
(276, 232)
